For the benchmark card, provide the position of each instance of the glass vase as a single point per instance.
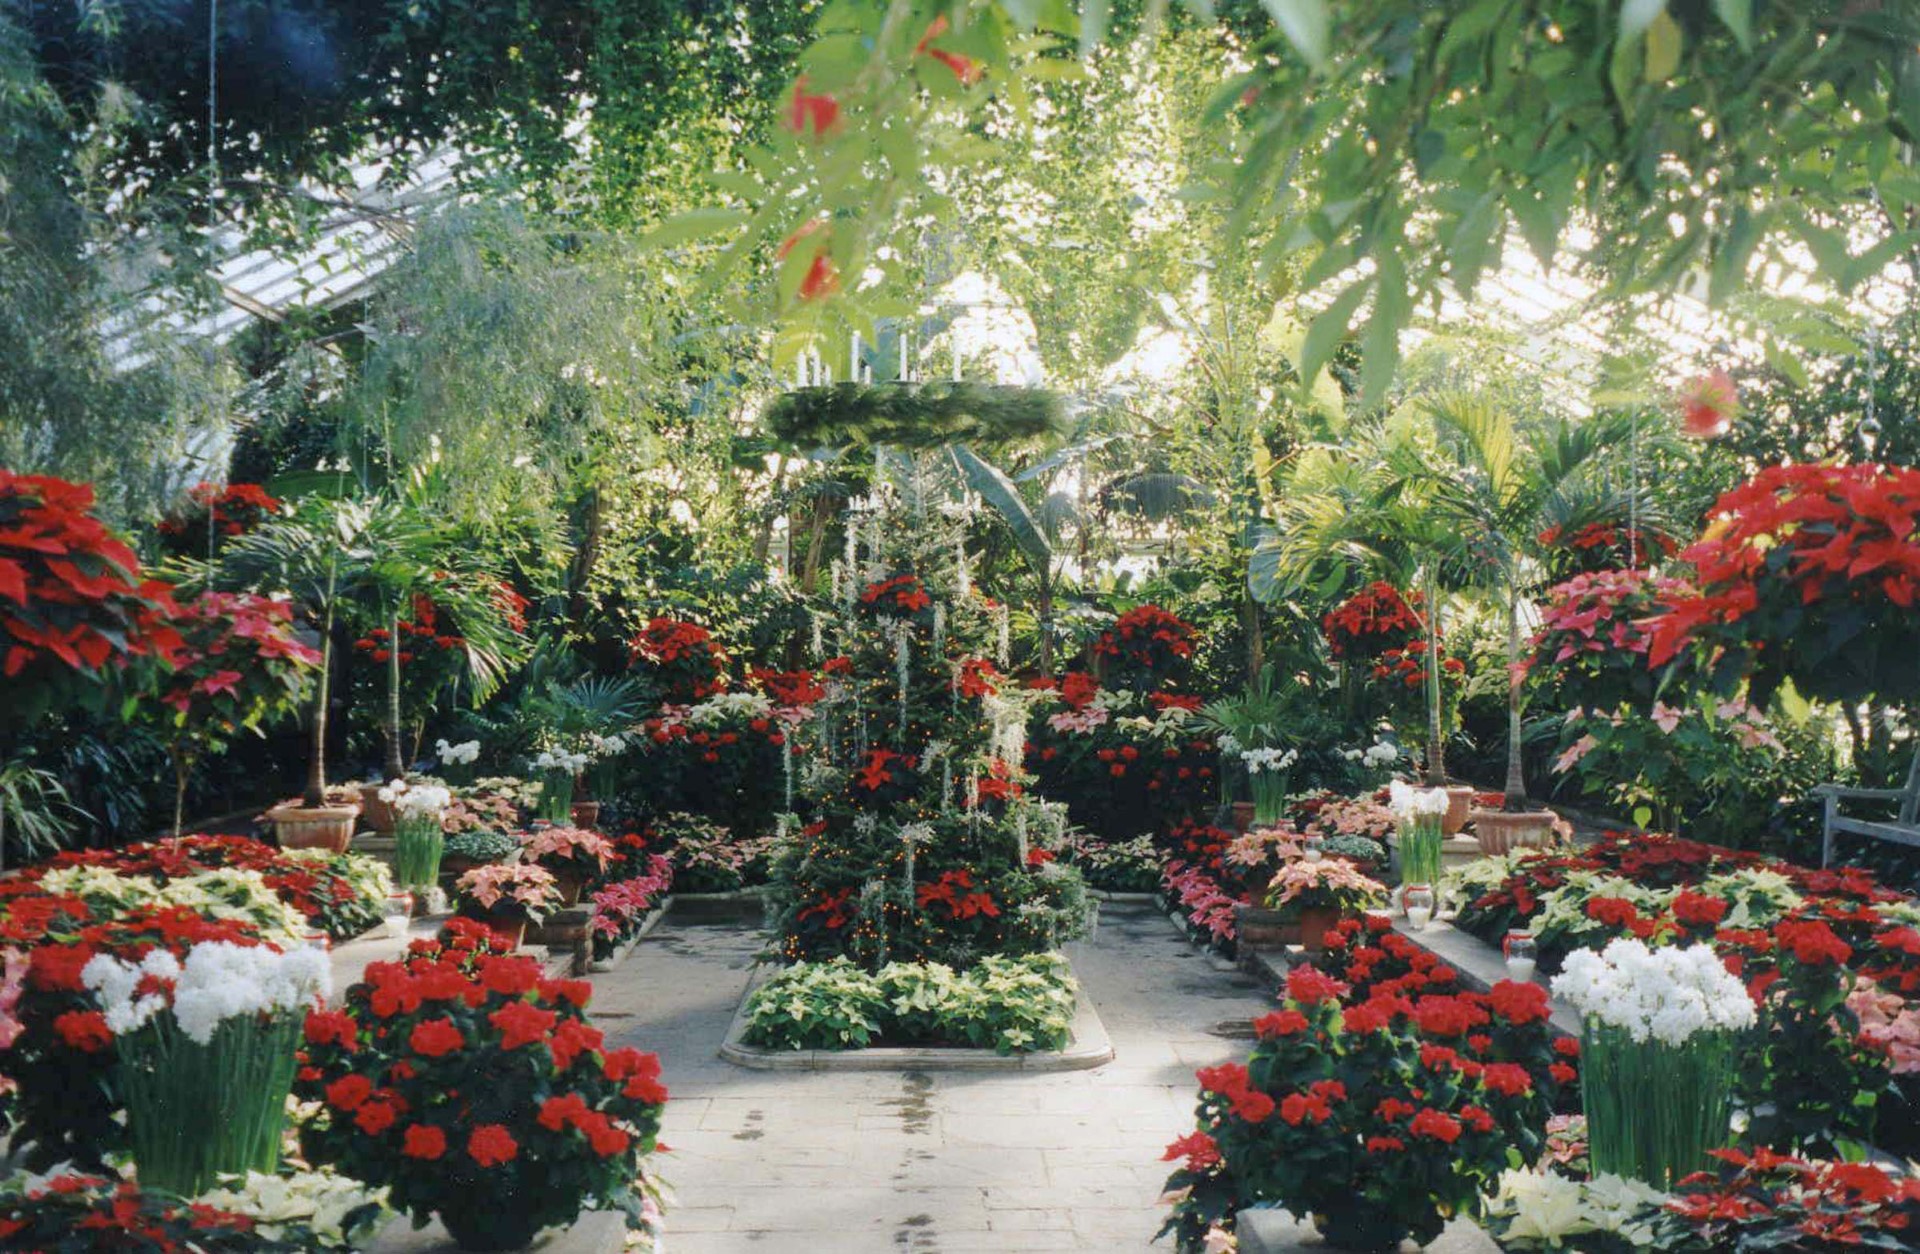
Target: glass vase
(1421, 840)
(556, 798)
(1654, 1109)
(417, 846)
(1269, 796)
(197, 1112)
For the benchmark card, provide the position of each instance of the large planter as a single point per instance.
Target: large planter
(586, 814)
(571, 884)
(1243, 812)
(1459, 809)
(1500, 832)
(1257, 927)
(490, 1223)
(378, 814)
(1360, 1228)
(1655, 1111)
(297, 826)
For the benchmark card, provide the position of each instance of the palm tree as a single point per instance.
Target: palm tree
(364, 561)
(1488, 488)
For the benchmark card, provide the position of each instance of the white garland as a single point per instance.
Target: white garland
(1667, 994)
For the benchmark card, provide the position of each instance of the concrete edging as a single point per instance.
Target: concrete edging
(620, 955)
(1088, 1047)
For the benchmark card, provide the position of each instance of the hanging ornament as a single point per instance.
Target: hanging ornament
(1708, 404)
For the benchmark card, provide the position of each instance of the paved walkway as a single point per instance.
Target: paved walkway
(849, 1162)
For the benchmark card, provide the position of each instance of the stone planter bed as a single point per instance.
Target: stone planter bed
(596, 1232)
(1088, 1047)
(744, 905)
(601, 966)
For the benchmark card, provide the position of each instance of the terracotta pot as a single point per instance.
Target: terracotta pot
(1500, 832)
(586, 814)
(1256, 927)
(1315, 921)
(377, 813)
(313, 827)
(1459, 808)
(1242, 816)
(570, 884)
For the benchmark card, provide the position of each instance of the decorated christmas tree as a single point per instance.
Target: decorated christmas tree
(916, 836)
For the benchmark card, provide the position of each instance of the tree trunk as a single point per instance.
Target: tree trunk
(182, 768)
(1436, 722)
(1516, 789)
(1046, 617)
(395, 768)
(585, 558)
(1256, 642)
(763, 542)
(816, 536)
(316, 791)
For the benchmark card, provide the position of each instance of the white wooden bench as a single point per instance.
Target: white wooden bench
(1904, 829)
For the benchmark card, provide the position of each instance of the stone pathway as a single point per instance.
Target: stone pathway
(849, 1162)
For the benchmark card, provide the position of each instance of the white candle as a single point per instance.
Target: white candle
(853, 357)
(1520, 969)
(1417, 917)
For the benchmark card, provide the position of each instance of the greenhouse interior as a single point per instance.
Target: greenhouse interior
(710, 626)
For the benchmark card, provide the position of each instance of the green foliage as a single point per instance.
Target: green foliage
(913, 417)
(1007, 1004)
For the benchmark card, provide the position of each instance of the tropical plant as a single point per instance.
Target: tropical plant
(364, 561)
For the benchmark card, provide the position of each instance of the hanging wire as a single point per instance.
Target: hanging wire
(213, 177)
(1869, 430)
(1633, 490)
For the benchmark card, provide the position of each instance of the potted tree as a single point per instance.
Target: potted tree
(241, 666)
(1495, 486)
(361, 561)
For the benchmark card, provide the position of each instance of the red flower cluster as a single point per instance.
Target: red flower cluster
(1146, 642)
(789, 688)
(1373, 620)
(417, 636)
(1600, 546)
(70, 1210)
(977, 677)
(1770, 1201)
(79, 599)
(461, 1049)
(1406, 667)
(901, 595)
(230, 510)
(693, 661)
(1812, 562)
(239, 658)
(955, 892)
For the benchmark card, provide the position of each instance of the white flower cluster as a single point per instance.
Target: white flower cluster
(457, 755)
(1540, 1210)
(599, 746)
(723, 706)
(560, 761)
(219, 980)
(320, 1201)
(1376, 755)
(1410, 804)
(1268, 761)
(416, 801)
(1667, 994)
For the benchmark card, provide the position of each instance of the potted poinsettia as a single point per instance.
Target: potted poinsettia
(1319, 892)
(241, 666)
(479, 1091)
(576, 856)
(75, 606)
(507, 896)
(1808, 573)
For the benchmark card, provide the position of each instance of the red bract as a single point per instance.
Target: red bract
(685, 655)
(1812, 573)
(1145, 644)
(1371, 621)
(215, 512)
(1602, 546)
(74, 604)
(811, 114)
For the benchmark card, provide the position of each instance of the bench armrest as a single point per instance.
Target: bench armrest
(1863, 794)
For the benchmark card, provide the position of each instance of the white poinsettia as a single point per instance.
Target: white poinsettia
(218, 981)
(340, 1212)
(1410, 804)
(1541, 1210)
(1668, 994)
(461, 754)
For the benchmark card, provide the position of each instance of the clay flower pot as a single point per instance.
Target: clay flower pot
(1459, 808)
(377, 813)
(1242, 816)
(1500, 832)
(1315, 922)
(586, 814)
(297, 826)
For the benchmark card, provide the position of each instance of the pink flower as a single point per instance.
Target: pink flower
(1577, 750)
(1666, 717)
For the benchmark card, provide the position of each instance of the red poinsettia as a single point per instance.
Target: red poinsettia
(1708, 405)
(686, 657)
(822, 277)
(1145, 645)
(1373, 620)
(215, 512)
(811, 114)
(74, 603)
(968, 70)
(1807, 572)
(900, 596)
